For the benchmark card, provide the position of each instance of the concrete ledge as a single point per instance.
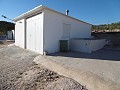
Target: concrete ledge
(92, 81)
(3, 41)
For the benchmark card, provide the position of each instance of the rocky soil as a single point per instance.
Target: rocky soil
(40, 78)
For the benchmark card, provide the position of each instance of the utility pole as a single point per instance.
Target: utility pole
(9, 19)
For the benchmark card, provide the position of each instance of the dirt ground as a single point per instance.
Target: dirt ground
(18, 72)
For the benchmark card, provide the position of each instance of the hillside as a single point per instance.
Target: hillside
(113, 27)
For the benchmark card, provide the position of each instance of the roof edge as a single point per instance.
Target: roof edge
(65, 15)
(41, 7)
(32, 11)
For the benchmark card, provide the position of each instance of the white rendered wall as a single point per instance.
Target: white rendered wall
(9, 35)
(13, 31)
(53, 30)
(87, 46)
(19, 33)
(80, 45)
(98, 44)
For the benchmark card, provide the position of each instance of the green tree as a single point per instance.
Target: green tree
(110, 27)
(6, 26)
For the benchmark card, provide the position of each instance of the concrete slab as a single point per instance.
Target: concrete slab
(95, 70)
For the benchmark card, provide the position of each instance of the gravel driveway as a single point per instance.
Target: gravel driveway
(13, 61)
(18, 72)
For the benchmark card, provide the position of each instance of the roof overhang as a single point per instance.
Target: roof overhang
(38, 10)
(29, 13)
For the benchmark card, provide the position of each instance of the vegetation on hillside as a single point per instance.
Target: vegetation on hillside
(107, 27)
(6, 26)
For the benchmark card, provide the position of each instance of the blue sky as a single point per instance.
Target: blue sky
(92, 11)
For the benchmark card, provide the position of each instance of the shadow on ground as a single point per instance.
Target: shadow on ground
(103, 54)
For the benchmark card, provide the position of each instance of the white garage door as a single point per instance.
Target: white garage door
(34, 33)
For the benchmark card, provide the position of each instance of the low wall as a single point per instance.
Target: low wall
(87, 45)
(3, 42)
(114, 37)
(97, 44)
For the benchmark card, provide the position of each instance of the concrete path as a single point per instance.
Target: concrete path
(98, 71)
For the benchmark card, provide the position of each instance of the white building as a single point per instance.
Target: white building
(41, 28)
(11, 35)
